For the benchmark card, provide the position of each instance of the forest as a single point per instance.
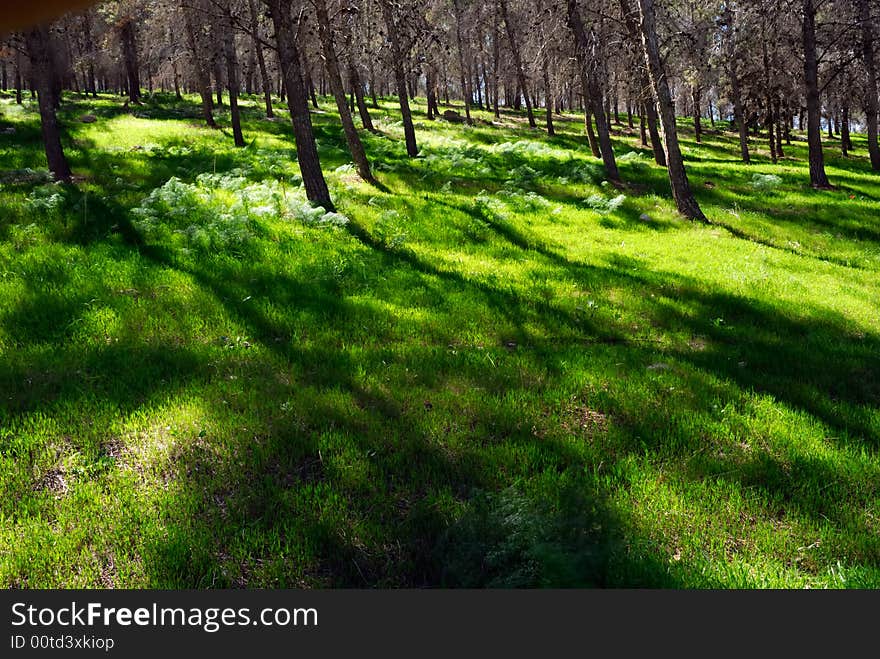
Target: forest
(440, 293)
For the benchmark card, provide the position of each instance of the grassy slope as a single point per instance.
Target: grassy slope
(468, 385)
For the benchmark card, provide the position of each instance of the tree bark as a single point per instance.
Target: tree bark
(867, 34)
(297, 102)
(40, 55)
(331, 63)
(397, 56)
(218, 78)
(770, 119)
(644, 82)
(517, 61)
(735, 90)
(818, 178)
(358, 87)
(176, 74)
(310, 85)
(586, 50)
(203, 77)
(653, 124)
(496, 61)
(231, 57)
(18, 85)
(462, 59)
(373, 96)
(548, 94)
(777, 115)
(681, 191)
(431, 93)
(261, 59)
(771, 133)
(130, 57)
(643, 133)
(591, 134)
(90, 73)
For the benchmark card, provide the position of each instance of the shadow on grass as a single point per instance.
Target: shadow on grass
(805, 364)
(582, 541)
(339, 479)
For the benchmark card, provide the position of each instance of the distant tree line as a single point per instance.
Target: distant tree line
(766, 66)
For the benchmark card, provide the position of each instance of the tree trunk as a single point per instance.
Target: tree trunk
(642, 132)
(261, 59)
(306, 149)
(176, 75)
(607, 100)
(87, 36)
(768, 92)
(591, 135)
(818, 178)
(397, 56)
(771, 133)
(681, 191)
(231, 57)
(413, 82)
(40, 55)
(373, 96)
(845, 142)
(18, 85)
(517, 61)
(736, 93)
(431, 93)
(587, 49)
(218, 79)
(203, 77)
(249, 77)
(310, 85)
(548, 94)
(57, 75)
(788, 125)
(496, 61)
(777, 114)
(462, 59)
(358, 88)
(653, 125)
(130, 57)
(697, 100)
(867, 32)
(331, 63)
(647, 98)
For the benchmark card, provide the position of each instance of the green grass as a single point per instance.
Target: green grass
(493, 375)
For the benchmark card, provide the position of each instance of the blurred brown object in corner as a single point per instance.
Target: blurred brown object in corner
(20, 14)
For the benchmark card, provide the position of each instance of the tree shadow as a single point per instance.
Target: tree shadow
(337, 471)
(397, 499)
